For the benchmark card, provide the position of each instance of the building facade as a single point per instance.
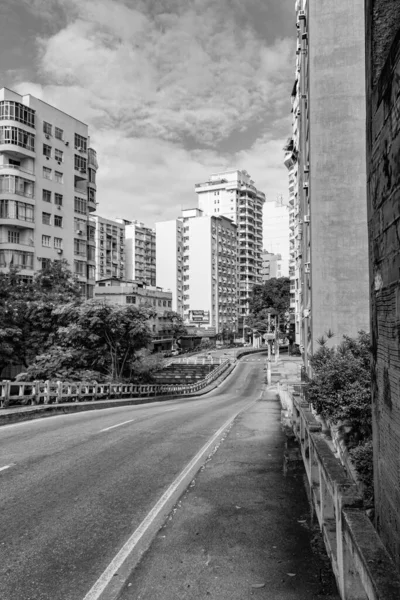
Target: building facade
(271, 265)
(205, 257)
(209, 271)
(169, 260)
(232, 194)
(47, 188)
(383, 135)
(328, 151)
(110, 248)
(140, 252)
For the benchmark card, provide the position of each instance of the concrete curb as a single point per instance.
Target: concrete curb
(18, 415)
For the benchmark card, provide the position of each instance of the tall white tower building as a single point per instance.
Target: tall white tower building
(140, 252)
(47, 189)
(232, 194)
(205, 258)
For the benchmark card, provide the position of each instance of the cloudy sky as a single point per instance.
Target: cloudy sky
(173, 90)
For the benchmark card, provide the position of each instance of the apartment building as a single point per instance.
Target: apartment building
(169, 260)
(47, 188)
(271, 265)
(140, 252)
(233, 195)
(110, 248)
(208, 254)
(326, 161)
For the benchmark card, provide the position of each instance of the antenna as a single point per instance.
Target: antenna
(279, 200)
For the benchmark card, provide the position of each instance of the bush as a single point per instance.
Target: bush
(362, 458)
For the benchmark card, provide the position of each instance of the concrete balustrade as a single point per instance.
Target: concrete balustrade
(362, 566)
(48, 392)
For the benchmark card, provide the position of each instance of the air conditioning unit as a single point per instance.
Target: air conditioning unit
(304, 36)
(59, 206)
(47, 158)
(81, 149)
(82, 170)
(305, 185)
(306, 219)
(58, 162)
(79, 232)
(302, 15)
(47, 136)
(67, 143)
(59, 251)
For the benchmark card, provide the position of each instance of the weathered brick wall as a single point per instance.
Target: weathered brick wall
(383, 164)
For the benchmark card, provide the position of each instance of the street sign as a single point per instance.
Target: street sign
(268, 336)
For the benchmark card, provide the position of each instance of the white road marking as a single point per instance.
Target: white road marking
(118, 425)
(106, 577)
(6, 467)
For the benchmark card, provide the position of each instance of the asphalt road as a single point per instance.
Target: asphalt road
(73, 488)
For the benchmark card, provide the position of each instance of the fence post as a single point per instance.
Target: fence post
(59, 392)
(46, 392)
(6, 393)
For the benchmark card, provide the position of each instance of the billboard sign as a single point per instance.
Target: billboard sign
(199, 316)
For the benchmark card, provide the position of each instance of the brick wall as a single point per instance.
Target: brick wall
(383, 166)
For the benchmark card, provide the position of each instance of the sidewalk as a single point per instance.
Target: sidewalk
(243, 529)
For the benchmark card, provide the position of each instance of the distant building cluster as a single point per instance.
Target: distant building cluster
(207, 259)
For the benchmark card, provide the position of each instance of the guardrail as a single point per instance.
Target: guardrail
(48, 392)
(362, 566)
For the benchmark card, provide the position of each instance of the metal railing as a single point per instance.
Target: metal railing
(56, 392)
(362, 567)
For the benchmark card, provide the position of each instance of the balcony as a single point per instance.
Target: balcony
(16, 169)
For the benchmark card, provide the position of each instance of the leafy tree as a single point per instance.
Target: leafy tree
(178, 328)
(340, 387)
(271, 299)
(101, 338)
(27, 319)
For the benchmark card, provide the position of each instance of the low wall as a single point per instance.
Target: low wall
(361, 564)
(48, 392)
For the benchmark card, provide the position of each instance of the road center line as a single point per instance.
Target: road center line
(106, 577)
(6, 467)
(117, 425)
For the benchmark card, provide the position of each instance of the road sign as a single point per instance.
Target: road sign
(268, 336)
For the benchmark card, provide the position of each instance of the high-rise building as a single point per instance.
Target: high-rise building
(232, 194)
(208, 254)
(271, 266)
(326, 161)
(110, 248)
(140, 252)
(47, 188)
(169, 260)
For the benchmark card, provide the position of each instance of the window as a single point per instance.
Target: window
(91, 254)
(80, 205)
(46, 173)
(17, 112)
(46, 218)
(46, 150)
(92, 176)
(91, 272)
(58, 243)
(16, 258)
(131, 299)
(80, 226)
(58, 176)
(13, 237)
(46, 197)
(58, 155)
(58, 133)
(80, 247)
(58, 221)
(169, 303)
(58, 199)
(80, 163)
(47, 128)
(46, 240)
(80, 267)
(80, 143)
(11, 209)
(19, 137)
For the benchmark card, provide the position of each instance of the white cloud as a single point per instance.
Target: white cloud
(147, 76)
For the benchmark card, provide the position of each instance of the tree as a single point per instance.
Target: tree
(94, 337)
(26, 311)
(271, 299)
(340, 387)
(177, 326)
